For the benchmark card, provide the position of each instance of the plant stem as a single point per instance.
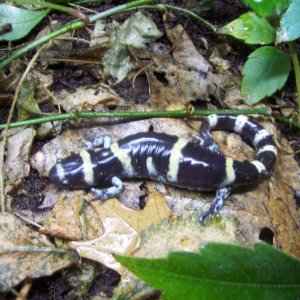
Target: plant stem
(297, 73)
(44, 4)
(136, 115)
(49, 5)
(181, 10)
(7, 125)
(287, 121)
(69, 27)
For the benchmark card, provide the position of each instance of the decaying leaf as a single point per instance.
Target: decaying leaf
(18, 151)
(136, 31)
(176, 80)
(57, 48)
(88, 97)
(154, 212)
(121, 228)
(118, 237)
(67, 216)
(8, 84)
(26, 253)
(99, 35)
(27, 104)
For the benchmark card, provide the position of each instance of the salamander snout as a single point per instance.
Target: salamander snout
(57, 175)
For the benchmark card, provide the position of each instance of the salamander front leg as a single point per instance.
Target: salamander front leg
(103, 140)
(216, 205)
(115, 190)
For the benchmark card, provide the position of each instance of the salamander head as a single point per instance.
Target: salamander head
(73, 172)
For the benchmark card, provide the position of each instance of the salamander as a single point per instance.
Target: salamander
(196, 164)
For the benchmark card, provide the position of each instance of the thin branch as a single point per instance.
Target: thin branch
(7, 126)
(181, 10)
(136, 115)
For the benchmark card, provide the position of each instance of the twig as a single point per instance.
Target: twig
(7, 126)
(179, 9)
(137, 115)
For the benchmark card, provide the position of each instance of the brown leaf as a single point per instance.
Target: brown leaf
(280, 206)
(154, 212)
(121, 228)
(88, 97)
(26, 253)
(64, 220)
(176, 80)
(18, 150)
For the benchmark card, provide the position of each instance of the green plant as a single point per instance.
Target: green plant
(267, 68)
(221, 271)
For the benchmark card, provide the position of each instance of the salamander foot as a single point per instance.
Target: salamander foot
(216, 205)
(111, 192)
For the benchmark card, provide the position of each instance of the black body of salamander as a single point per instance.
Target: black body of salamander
(191, 164)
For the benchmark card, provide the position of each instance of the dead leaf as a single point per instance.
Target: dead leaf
(221, 65)
(65, 218)
(26, 253)
(154, 212)
(179, 234)
(87, 96)
(57, 47)
(280, 205)
(176, 80)
(27, 104)
(99, 36)
(136, 31)
(8, 84)
(18, 151)
(118, 237)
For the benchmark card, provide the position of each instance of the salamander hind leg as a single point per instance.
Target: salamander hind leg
(216, 205)
(115, 190)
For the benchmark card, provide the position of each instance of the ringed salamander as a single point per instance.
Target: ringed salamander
(192, 164)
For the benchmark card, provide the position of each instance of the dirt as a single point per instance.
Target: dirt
(67, 77)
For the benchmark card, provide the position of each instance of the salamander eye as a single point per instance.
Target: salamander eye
(66, 181)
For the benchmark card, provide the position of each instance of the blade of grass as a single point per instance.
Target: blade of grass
(296, 72)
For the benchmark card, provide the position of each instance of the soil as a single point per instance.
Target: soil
(221, 12)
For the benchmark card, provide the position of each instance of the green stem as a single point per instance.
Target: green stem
(136, 115)
(44, 4)
(287, 121)
(69, 27)
(87, 1)
(49, 5)
(181, 10)
(296, 72)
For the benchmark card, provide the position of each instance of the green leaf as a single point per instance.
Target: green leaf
(250, 28)
(268, 8)
(21, 20)
(265, 72)
(221, 271)
(290, 23)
